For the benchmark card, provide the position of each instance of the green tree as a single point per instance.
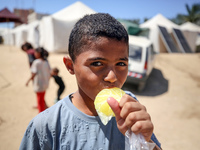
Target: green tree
(193, 15)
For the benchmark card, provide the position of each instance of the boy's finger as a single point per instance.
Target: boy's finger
(114, 104)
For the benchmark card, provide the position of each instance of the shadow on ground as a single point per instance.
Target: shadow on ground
(156, 85)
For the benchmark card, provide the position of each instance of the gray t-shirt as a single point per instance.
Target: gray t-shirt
(42, 70)
(64, 127)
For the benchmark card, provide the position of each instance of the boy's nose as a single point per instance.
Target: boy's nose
(111, 76)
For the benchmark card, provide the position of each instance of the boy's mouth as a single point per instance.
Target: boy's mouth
(109, 86)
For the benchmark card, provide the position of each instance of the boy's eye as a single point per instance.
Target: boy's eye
(96, 63)
(121, 64)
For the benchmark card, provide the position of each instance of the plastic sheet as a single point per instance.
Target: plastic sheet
(137, 142)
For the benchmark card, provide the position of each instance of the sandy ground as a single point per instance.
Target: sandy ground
(172, 97)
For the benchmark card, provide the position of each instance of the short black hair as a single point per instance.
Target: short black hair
(90, 28)
(43, 52)
(27, 45)
(56, 70)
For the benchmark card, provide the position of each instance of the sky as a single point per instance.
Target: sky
(120, 9)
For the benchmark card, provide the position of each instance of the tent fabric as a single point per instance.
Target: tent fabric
(55, 29)
(23, 33)
(73, 12)
(190, 27)
(160, 20)
(54, 34)
(7, 16)
(8, 37)
(33, 33)
(152, 24)
(20, 35)
(192, 32)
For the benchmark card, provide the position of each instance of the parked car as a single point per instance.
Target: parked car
(141, 61)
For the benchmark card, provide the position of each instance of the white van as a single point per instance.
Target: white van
(141, 61)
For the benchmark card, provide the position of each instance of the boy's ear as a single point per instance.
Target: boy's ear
(69, 64)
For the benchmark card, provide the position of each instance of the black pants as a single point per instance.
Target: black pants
(59, 92)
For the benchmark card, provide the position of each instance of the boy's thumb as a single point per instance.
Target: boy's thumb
(114, 104)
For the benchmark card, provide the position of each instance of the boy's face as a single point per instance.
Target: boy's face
(24, 48)
(53, 73)
(103, 65)
(37, 55)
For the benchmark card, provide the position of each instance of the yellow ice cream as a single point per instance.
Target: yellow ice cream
(103, 109)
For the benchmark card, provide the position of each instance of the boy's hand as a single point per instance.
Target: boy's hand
(130, 114)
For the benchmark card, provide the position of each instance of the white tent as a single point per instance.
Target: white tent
(55, 29)
(8, 36)
(23, 33)
(20, 35)
(73, 12)
(2, 30)
(192, 32)
(152, 24)
(33, 33)
(54, 34)
(190, 27)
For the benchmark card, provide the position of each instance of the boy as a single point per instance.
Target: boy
(28, 48)
(40, 75)
(98, 49)
(59, 81)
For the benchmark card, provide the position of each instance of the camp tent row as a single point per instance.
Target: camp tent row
(169, 37)
(52, 32)
(191, 31)
(63, 20)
